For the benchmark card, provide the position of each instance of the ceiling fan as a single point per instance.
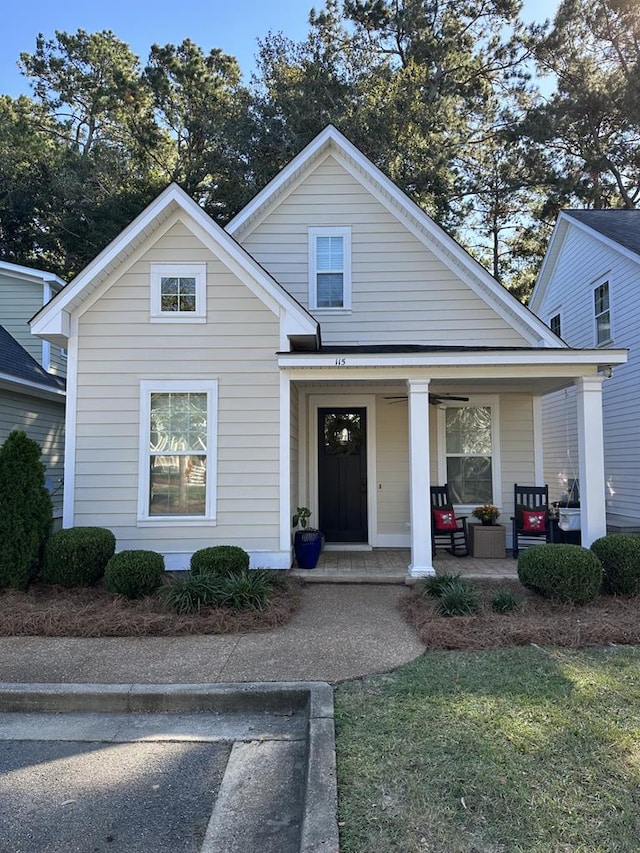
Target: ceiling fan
(434, 399)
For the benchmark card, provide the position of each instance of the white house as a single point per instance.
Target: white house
(588, 291)
(32, 371)
(333, 348)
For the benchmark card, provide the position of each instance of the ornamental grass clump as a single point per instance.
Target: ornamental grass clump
(134, 574)
(504, 601)
(222, 560)
(246, 590)
(458, 598)
(434, 585)
(78, 556)
(620, 558)
(565, 573)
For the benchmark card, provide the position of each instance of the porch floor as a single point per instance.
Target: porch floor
(384, 565)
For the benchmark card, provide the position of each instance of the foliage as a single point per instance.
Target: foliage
(302, 516)
(620, 558)
(245, 590)
(134, 574)
(220, 560)
(27, 515)
(434, 585)
(192, 593)
(486, 512)
(504, 601)
(458, 598)
(78, 556)
(566, 573)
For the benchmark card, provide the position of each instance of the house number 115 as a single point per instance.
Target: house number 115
(340, 362)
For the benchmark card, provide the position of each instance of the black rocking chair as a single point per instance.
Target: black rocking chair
(452, 538)
(534, 499)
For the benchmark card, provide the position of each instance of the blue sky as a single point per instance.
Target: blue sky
(232, 25)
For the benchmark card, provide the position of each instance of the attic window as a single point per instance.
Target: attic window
(555, 325)
(329, 269)
(602, 313)
(178, 293)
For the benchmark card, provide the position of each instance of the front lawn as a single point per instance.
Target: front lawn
(520, 750)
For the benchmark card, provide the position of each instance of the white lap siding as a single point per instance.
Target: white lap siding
(118, 347)
(402, 293)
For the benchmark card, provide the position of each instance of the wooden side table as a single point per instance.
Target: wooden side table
(488, 542)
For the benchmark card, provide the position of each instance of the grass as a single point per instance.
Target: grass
(55, 611)
(516, 750)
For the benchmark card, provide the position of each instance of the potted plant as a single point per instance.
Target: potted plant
(487, 513)
(307, 542)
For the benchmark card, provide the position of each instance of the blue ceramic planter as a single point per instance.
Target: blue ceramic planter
(307, 545)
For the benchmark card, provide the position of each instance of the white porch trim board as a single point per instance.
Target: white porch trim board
(419, 479)
(285, 463)
(591, 459)
(71, 410)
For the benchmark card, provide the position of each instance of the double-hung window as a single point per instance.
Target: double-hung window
(178, 293)
(602, 313)
(330, 268)
(469, 461)
(177, 450)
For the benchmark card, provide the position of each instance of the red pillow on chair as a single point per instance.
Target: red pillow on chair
(534, 521)
(444, 519)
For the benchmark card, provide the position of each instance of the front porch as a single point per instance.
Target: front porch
(389, 565)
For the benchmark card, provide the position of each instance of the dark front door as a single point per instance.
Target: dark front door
(342, 474)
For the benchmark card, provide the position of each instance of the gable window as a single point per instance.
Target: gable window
(468, 460)
(177, 450)
(555, 326)
(330, 268)
(178, 293)
(602, 313)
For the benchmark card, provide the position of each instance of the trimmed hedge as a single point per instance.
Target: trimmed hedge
(78, 556)
(222, 560)
(26, 515)
(134, 574)
(620, 558)
(567, 573)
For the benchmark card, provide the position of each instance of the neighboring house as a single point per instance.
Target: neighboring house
(588, 291)
(220, 378)
(32, 371)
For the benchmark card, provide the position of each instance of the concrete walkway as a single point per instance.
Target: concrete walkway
(340, 632)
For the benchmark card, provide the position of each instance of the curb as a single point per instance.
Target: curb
(319, 828)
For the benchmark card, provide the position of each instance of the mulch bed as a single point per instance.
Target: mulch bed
(609, 619)
(54, 611)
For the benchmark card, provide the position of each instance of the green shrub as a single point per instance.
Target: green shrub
(504, 601)
(458, 597)
(247, 591)
(567, 573)
(78, 556)
(193, 592)
(434, 585)
(620, 558)
(219, 560)
(134, 574)
(26, 514)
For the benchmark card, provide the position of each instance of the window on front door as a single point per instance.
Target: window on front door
(469, 452)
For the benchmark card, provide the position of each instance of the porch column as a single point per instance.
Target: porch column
(285, 469)
(419, 479)
(591, 462)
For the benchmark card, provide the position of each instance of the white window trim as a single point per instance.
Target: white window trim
(345, 233)
(492, 401)
(605, 279)
(152, 386)
(197, 271)
(556, 313)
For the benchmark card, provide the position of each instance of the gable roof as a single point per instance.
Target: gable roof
(52, 321)
(617, 229)
(330, 142)
(16, 365)
(621, 226)
(31, 274)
